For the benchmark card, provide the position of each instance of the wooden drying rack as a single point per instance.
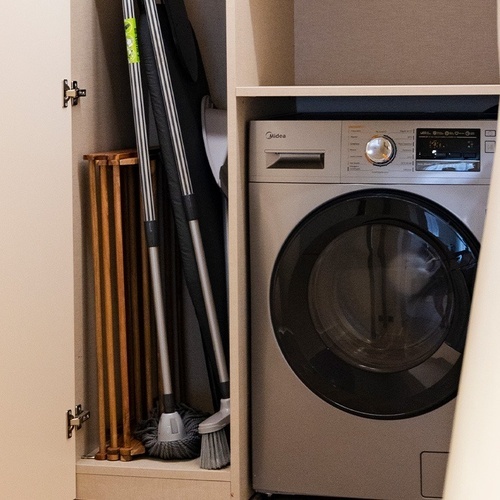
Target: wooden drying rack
(122, 302)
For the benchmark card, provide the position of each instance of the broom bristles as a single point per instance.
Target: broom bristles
(215, 452)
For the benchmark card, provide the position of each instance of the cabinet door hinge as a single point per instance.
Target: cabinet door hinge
(76, 421)
(72, 93)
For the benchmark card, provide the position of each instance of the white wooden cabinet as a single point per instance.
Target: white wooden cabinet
(277, 51)
(46, 321)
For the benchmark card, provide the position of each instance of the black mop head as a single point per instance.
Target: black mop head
(183, 449)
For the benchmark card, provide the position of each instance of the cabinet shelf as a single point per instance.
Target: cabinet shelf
(148, 467)
(365, 90)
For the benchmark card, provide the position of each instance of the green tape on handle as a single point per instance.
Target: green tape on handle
(131, 39)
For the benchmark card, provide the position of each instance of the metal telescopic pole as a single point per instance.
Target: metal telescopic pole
(150, 222)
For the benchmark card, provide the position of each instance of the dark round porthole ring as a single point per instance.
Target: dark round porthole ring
(311, 378)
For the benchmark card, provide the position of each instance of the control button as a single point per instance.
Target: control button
(380, 150)
(470, 156)
(455, 155)
(489, 146)
(490, 133)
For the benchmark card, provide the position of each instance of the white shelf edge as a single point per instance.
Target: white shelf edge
(151, 468)
(365, 90)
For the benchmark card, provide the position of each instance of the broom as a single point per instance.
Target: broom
(214, 444)
(174, 435)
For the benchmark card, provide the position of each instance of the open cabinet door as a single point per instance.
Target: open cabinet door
(37, 385)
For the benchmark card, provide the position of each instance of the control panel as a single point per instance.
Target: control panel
(448, 149)
(402, 149)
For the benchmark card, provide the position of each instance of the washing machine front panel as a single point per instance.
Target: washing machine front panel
(301, 443)
(369, 302)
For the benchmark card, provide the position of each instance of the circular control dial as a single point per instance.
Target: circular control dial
(380, 150)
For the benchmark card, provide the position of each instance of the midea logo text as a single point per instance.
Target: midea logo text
(272, 135)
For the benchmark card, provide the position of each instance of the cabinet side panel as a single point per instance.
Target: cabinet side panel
(240, 112)
(396, 43)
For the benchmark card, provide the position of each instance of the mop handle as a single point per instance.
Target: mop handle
(168, 97)
(206, 288)
(150, 222)
(186, 187)
(138, 109)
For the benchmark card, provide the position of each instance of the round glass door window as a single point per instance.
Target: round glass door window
(370, 300)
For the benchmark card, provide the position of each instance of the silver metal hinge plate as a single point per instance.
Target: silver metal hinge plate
(72, 93)
(76, 421)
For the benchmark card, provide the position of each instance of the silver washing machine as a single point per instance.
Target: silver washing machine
(363, 251)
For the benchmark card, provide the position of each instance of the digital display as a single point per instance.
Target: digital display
(448, 149)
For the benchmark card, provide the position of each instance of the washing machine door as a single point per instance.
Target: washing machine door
(370, 299)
